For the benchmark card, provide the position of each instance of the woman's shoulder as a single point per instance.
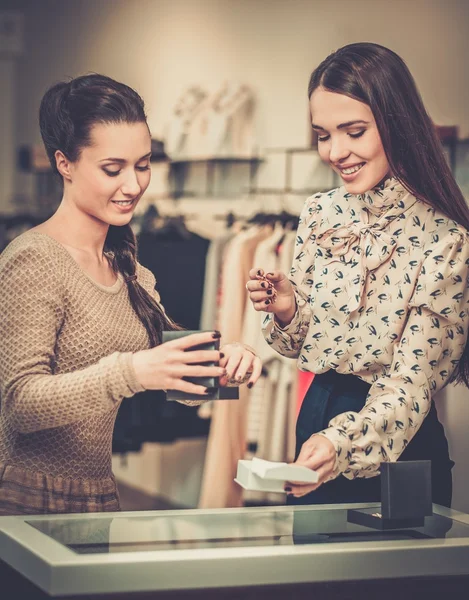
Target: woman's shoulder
(321, 200)
(31, 247)
(324, 210)
(440, 228)
(145, 277)
(32, 264)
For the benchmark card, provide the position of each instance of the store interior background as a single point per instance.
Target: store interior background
(160, 47)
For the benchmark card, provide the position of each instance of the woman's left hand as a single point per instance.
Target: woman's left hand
(317, 453)
(241, 364)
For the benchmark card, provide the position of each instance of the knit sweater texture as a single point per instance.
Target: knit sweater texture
(66, 345)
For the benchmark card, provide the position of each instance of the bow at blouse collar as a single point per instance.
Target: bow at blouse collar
(383, 197)
(366, 246)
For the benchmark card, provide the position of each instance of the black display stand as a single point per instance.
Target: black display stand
(406, 497)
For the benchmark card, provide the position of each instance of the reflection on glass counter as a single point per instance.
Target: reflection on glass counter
(157, 532)
(224, 554)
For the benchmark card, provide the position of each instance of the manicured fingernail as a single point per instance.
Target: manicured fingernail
(263, 285)
(267, 301)
(222, 355)
(259, 272)
(288, 489)
(269, 292)
(216, 335)
(250, 384)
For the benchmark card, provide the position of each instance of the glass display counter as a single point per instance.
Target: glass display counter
(245, 553)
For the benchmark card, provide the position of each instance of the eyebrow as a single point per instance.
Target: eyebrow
(123, 161)
(343, 125)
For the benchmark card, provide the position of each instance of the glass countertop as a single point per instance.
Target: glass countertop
(165, 531)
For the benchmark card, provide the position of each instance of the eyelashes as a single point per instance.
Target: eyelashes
(352, 135)
(116, 173)
(357, 135)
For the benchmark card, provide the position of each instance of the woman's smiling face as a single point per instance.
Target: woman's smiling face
(112, 173)
(348, 140)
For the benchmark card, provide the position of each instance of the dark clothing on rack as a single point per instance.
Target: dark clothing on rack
(176, 257)
(331, 394)
(178, 263)
(149, 417)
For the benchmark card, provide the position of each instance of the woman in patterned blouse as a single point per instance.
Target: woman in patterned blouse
(377, 301)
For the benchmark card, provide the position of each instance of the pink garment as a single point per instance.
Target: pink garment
(305, 379)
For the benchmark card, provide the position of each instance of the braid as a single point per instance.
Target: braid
(121, 242)
(68, 112)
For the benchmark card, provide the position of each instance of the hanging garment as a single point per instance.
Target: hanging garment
(274, 438)
(177, 260)
(176, 257)
(149, 417)
(213, 268)
(245, 429)
(286, 258)
(227, 437)
(304, 381)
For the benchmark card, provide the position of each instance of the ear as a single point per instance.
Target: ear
(63, 165)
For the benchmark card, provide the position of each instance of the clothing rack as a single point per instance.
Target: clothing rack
(239, 430)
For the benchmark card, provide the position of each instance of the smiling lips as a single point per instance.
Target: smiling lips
(351, 170)
(349, 173)
(123, 203)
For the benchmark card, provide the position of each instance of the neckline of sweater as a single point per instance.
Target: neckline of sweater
(110, 289)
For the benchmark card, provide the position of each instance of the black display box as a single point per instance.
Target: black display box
(406, 497)
(218, 393)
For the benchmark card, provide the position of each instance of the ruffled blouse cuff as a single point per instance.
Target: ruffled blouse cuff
(289, 339)
(293, 328)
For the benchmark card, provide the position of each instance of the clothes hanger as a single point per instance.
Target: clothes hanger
(174, 225)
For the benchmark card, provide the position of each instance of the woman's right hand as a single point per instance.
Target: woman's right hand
(261, 294)
(163, 367)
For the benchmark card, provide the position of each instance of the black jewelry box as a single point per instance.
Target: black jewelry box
(406, 497)
(218, 393)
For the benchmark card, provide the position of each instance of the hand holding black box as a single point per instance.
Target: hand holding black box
(218, 392)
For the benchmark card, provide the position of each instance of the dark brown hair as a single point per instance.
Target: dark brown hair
(68, 112)
(378, 77)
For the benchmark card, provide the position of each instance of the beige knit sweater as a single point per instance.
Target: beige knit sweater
(66, 344)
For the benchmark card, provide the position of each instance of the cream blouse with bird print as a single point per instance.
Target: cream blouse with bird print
(381, 283)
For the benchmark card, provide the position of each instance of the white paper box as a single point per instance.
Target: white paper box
(267, 476)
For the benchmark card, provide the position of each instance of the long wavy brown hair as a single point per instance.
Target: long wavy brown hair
(378, 77)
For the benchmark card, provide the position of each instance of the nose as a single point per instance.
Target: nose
(131, 186)
(338, 149)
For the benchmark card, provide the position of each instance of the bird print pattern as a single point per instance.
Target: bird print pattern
(382, 288)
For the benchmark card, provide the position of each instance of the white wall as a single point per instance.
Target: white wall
(161, 46)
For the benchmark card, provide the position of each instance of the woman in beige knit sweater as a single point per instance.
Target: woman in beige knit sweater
(81, 321)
